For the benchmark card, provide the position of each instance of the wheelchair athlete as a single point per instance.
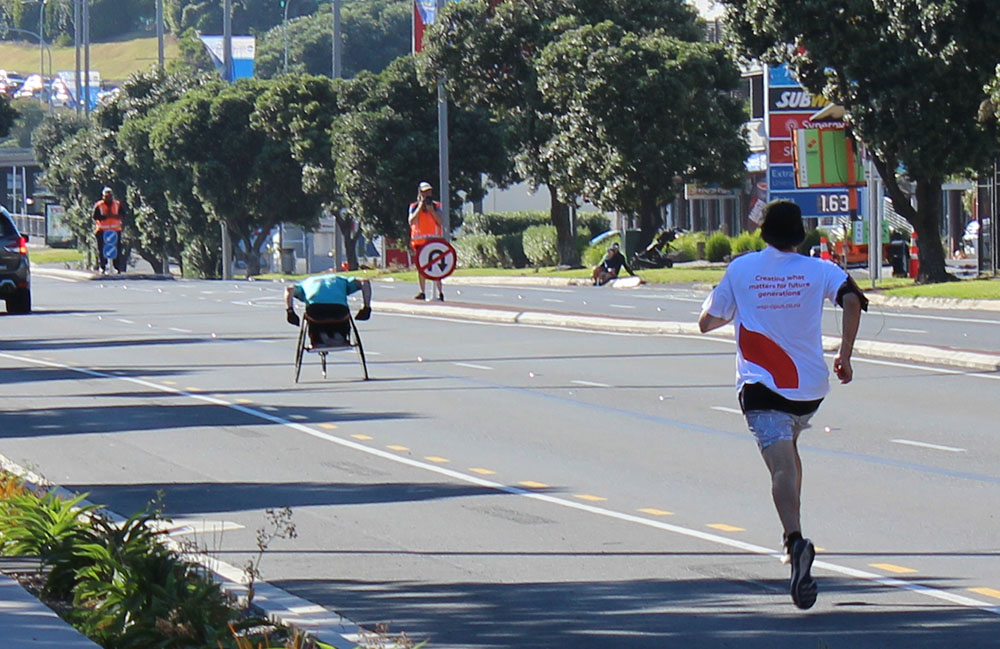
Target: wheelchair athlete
(327, 313)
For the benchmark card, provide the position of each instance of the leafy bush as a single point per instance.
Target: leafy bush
(540, 245)
(490, 251)
(686, 246)
(501, 223)
(812, 239)
(48, 528)
(748, 242)
(718, 247)
(592, 224)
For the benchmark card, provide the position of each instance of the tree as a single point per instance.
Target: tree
(634, 112)
(374, 32)
(489, 57)
(910, 74)
(389, 143)
(8, 114)
(247, 180)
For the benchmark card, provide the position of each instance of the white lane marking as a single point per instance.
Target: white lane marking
(492, 295)
(474, 366)
(179, 330)
(621, 306)
(921, 316)
(936, 447)
(735, 411)
(592, 384)
(524, 289)
(60, 279)
(125, 321)
(889, 582)
(908, 331)
(552, 299)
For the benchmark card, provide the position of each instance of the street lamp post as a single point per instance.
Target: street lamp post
(284, 36)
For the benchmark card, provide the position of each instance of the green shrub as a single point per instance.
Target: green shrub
(686, 246)
(718, 247)
(49, 528)
(477, 250)
(501, 223)
(748, 242)
(812, 239)
(591, 224)
(540, 245)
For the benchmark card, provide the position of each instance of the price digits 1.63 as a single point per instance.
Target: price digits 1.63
(833, 203)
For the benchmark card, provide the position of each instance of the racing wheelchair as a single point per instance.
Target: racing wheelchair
(310, 342)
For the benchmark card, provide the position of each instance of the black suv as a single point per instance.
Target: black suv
(15, 276)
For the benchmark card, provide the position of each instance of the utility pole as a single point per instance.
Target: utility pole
(284, 37)
(338, 46)
(443, 178)
(227, 73)
(41, 49)
(76, 45)
(86, 57)
(159, 35)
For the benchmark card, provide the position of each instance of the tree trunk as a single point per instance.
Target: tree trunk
(650, 221)
(350, 236)
(925, 219)
(569, 255)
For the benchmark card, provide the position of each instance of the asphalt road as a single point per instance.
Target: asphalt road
(510, 486)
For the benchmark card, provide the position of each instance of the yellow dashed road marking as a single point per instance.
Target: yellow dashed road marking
(989, 592)
(531, 484)
(590, 497)
(655, 512)
(244, 402)
(192, 389)
(362, 437)
(436, 459)
(725, 528)
(170, 383)
(328, 426)
(482, 471)
(891, 567)
(397, 447)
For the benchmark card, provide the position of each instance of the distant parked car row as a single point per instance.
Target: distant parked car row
(58, 91)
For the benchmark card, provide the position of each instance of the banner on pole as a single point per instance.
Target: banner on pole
(244, 49)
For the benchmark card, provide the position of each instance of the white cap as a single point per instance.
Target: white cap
(424, 186)
(107, 190)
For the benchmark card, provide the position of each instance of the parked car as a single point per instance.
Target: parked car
(15, 274)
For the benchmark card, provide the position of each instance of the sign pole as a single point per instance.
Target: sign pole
(444, 179)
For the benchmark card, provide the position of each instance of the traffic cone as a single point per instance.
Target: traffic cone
(824, 249)
(914, 256)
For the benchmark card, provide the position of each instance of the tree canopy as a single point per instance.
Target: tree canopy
(491, 58)
(910, 74)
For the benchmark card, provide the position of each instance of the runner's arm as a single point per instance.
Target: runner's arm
(850, 322)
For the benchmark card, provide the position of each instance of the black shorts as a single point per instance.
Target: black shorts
(324, 313)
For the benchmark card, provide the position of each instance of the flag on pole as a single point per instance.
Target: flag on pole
(424, 13)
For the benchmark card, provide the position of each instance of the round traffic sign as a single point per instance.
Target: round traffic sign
(436, 259)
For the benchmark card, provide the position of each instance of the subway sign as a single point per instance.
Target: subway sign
(794, 99)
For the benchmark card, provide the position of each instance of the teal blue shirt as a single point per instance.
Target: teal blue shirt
(326, 289)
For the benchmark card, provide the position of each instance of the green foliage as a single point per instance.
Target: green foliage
(592, 224)
(500, 223)
(686, 246)
(747, 242)
(49, 528)
(375, 33)
(812, 239)
(717, 247)
(8, 115)
(29, 115)
(540, 245)
(490, 251)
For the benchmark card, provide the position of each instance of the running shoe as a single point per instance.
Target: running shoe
(803, 586)
(419, 296)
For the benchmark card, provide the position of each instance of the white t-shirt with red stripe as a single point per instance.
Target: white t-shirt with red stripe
(776, 301)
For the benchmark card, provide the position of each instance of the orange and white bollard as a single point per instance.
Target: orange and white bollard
(824, 249)
(914, 256)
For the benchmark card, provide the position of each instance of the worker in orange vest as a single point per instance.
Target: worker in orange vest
(108, 214)
(426, 224)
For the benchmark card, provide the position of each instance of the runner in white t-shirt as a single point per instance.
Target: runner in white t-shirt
(774, 298)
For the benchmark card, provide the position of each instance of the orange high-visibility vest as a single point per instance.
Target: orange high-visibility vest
(425, 227)
(110, 219)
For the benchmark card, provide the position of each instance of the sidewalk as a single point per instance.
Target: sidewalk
(26, 623)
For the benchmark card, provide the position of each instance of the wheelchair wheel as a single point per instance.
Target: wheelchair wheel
(361, 349)
(300, 348)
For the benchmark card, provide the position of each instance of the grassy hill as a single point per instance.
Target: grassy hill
(114, 60)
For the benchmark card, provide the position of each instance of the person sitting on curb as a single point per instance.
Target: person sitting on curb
(326, 306)
(610, 266)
